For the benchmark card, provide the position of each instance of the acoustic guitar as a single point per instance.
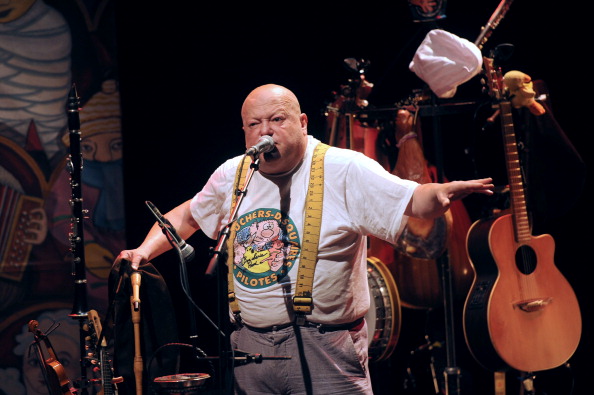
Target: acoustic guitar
(57, 380)
(520, 312)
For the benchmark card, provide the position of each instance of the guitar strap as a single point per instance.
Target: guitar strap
(303, 300)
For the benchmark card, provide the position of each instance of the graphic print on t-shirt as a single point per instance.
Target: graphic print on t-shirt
(265, 247)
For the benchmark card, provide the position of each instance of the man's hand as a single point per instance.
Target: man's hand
(455, 190)
(433, 199)
(136, 257)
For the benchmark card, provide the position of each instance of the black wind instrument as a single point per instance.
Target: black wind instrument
(493, 22)
(74, 167)
(77, 241)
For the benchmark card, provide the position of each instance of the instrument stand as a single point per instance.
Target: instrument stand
(451, 372)
(527, 384)
(185, 254)
(410, 382)
(224, 345)
(183, 274)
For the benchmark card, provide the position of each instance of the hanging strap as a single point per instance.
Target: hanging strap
(303, 300)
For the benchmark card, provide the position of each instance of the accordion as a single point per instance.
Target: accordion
(15, 215)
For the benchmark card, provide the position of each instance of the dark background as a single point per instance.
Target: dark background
(185, 70)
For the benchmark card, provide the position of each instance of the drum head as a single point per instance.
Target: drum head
(384, 315)
(181, 383)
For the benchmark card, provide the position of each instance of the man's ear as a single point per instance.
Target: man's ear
(303, 120)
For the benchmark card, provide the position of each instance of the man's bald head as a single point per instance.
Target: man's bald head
(265, 93)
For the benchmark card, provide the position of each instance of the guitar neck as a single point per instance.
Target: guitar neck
(514, 173)
(106, 374)
(108, 386)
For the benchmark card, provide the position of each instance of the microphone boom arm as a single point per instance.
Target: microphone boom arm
(217, 250)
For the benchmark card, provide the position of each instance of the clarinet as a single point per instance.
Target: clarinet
(76, 237)
(493, 22)
(77, 241)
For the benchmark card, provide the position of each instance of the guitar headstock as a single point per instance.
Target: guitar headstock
(93, 332)
(494, 83)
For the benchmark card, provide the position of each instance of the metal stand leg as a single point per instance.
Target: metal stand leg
(527, 387)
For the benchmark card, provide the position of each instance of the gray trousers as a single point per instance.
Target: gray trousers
(325, 363)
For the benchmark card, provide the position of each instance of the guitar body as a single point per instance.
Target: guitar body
(520, 312)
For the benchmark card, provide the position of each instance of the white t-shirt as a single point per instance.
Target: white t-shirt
(360, 198)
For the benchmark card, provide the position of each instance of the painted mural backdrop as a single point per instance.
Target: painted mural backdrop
(45, 47)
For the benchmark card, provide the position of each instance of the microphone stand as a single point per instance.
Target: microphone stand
(451, 372)
(184, 257)
(226, 355)
(222, 287)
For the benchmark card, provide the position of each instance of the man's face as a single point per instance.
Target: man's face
(272, 113)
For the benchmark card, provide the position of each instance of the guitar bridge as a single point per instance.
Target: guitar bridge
(533, 305)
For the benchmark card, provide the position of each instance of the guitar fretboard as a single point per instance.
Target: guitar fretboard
(514, 172)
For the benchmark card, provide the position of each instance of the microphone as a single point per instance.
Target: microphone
(264, 144)
(187, 251)
(135, 279)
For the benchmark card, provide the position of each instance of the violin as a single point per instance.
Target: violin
(57, 380)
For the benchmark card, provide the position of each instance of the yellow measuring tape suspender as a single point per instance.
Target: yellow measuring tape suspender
(303, 300)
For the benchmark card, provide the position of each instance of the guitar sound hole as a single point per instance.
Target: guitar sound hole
(526, 259)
